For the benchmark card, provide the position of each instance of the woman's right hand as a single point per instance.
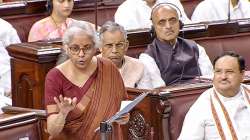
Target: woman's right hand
(65, 104)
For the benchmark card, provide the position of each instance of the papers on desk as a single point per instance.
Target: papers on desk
(244, 21)
(190, 27)
(128, 107)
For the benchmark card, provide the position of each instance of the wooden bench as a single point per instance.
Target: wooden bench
(20, 123)
(161, 117)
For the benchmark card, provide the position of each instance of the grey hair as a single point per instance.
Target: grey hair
(77, 27)
(174, 7)
(111, 26)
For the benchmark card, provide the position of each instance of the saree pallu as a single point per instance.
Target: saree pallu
(101, 101)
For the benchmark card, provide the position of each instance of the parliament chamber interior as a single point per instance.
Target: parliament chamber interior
(156, 117)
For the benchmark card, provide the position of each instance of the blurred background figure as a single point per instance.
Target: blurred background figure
(135, 14)
(8, 35)
(212, 10)
(53, 26)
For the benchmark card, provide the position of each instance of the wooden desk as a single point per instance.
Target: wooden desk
(157, 117)
(29, 67)
(21, 125)
(160, 117)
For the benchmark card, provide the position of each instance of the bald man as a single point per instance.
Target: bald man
(169, 58)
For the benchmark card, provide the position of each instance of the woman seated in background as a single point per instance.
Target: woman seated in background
(53, 26)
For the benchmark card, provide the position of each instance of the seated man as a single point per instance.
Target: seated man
(169, 58)
(212, 10)
(223, 111)
(135, 14)
(8, 35)
(82, 91)
(114, 47)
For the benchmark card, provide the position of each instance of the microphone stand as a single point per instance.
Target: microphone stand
(106, 126)
(96, 13)
(105, 129)
(229, 14)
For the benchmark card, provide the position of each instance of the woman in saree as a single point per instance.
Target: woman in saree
(53, 26)
(82, 91)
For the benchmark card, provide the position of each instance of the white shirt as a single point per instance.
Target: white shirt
(199, 123)
(204, 63)
(8, 35)
(212, 10)
(136, 14)
(4, 101)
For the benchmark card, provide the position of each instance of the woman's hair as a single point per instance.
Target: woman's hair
(49, 6)
(80, 27)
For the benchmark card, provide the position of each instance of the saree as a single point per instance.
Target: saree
(46, 29)
(103, 94)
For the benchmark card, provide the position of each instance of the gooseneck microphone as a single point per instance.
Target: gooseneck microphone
(228, 12)
(197, 62)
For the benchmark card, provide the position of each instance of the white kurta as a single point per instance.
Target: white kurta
(135, 14)
(8, 35)
(212, 10)
(134, 73)
(200, 125)
(204, 63)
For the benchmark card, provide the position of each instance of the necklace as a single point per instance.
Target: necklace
(58, 27)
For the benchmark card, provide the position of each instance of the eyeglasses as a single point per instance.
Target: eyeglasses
(75, 49)
(119, 45)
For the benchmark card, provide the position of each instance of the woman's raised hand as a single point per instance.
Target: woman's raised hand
(65, 104)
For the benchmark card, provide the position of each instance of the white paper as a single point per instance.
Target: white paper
(124, 104)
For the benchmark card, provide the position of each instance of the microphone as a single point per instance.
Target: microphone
(177, 80)
(96, 14)
(198, 67)
(228, 12)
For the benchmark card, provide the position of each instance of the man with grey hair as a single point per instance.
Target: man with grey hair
(172, 59)
(114, 47)
(82, 91)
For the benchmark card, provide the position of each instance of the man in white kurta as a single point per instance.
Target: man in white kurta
(135, 14)
(200, 122)
(212, 10)
(8, 35)
(114, 47)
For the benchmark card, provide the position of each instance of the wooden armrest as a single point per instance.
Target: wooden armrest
(15, 110)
